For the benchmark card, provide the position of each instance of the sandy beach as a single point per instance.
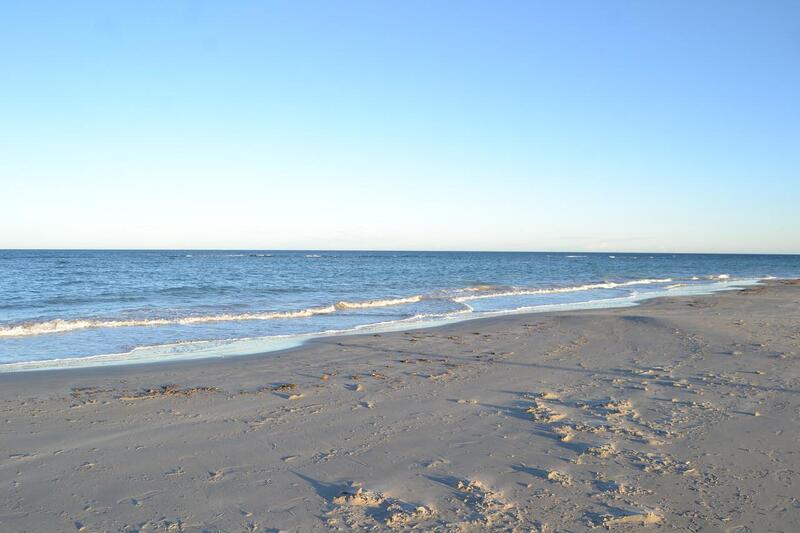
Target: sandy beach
(681, 414)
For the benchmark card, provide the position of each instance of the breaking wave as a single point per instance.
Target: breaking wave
(378, 303)
(61, 326)
(479, 288)
(557, 290)
(461, 296)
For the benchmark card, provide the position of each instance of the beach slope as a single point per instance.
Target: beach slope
(679, 414)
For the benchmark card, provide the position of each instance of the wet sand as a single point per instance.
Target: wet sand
(679, 414)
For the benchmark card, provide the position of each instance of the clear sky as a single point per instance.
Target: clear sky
(492, 125)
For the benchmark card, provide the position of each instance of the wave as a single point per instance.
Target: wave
(479, 288)
(62, 326)
(193, 349)
(378, 303)
(476, 292)
(558, 290)
(203, 348)
(176, 350)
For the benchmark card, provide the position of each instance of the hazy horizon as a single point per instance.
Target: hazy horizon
(389, 250)
(515, 126)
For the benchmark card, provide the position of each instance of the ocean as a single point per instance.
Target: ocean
(69, 308)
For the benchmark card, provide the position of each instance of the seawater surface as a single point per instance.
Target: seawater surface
(67, 308)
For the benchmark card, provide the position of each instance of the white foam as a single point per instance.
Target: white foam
(476, 292)
(378, 303)
(558, 290)
(478, 288)
(61, 326)
(189, 350)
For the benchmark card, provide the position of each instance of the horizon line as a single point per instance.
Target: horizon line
(366, 250)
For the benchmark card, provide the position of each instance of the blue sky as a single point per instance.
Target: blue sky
(624, 126)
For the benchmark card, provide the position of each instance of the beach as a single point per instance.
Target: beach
(678, 414)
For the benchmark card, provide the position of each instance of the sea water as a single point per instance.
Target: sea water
(67, 308)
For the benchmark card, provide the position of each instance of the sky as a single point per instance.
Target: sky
(414, 125)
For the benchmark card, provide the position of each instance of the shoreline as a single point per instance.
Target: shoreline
(679, 413)
(283, 343)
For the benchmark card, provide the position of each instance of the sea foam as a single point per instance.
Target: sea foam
(557, 290)
(65, 325)
(459, 297)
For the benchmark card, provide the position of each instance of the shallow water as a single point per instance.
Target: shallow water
(146, 305)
